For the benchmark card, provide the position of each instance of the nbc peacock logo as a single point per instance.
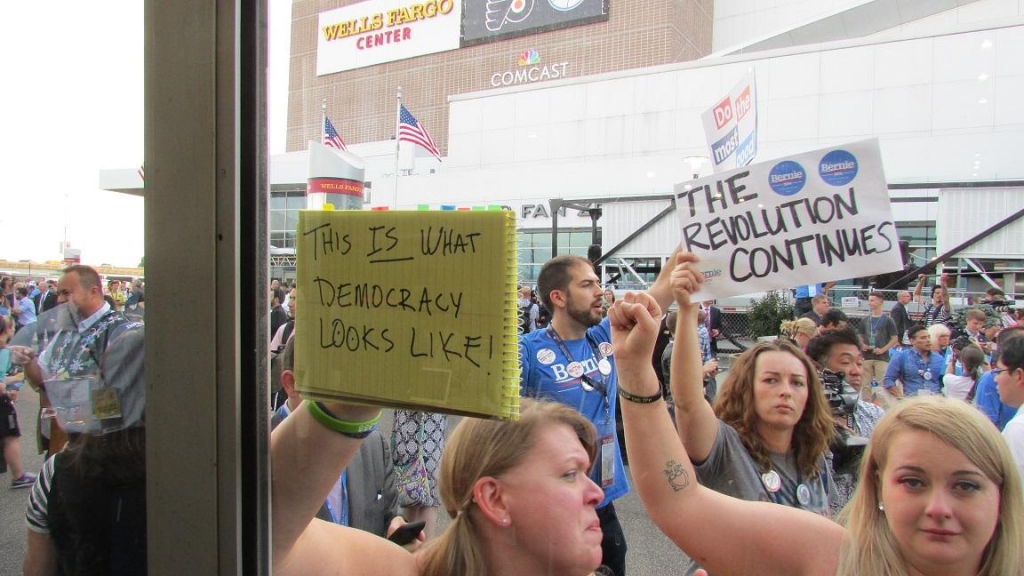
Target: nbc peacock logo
(529, 58)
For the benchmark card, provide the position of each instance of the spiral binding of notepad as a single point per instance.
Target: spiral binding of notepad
(513, 329)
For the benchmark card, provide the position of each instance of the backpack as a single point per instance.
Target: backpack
(524, 317)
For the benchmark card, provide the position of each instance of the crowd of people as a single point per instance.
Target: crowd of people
(893, 448)
(840, 481)
(77, 347)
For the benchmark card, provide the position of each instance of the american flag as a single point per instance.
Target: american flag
(411, 131)
(331, 137)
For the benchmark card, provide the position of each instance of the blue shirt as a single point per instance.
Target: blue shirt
(808, 290)
(545, 374)
(28, 311)
(987, 399)
(915, 372)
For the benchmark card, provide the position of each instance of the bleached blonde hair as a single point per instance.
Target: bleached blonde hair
(871, 547)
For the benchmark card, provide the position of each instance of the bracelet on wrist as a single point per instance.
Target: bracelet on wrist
(639, 399)
(356, 430)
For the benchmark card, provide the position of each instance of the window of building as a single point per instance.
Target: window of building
(284, 216)
(535, 249)
(921, 236)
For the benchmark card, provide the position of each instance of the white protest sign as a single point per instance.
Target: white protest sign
(731, 126)
(808, 218)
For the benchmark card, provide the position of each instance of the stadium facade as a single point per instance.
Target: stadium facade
(576, 103)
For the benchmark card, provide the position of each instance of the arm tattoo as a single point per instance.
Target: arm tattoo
(678, 477)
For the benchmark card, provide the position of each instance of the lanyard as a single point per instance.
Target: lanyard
(586, 382)
(874, 324)
(924, 368)
(340, 516)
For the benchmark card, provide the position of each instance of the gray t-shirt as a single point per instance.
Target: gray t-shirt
(876, 333)
(730, 470)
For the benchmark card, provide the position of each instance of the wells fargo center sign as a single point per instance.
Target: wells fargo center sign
(379, 31)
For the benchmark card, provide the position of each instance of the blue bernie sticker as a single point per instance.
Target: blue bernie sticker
(787, 178)
(838, 168)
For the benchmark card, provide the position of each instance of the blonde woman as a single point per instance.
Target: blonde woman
(799, 331)
(517, 492)
(939, 492)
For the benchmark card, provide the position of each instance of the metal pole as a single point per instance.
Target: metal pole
(556, 205)
(398, 128)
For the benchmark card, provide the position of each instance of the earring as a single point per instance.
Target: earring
(881, 507)
(504, 521)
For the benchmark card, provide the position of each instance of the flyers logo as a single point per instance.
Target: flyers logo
(500, 12)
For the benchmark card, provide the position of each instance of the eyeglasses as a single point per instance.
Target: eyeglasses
(997, 371)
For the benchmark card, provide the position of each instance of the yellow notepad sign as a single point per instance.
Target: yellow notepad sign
(409, 309)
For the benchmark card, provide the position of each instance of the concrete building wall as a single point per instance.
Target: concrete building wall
(946, 108)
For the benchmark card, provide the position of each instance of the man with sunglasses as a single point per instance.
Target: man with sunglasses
(570, 361)
(1009, 377)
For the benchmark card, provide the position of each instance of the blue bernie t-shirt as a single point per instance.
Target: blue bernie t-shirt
(545, 374)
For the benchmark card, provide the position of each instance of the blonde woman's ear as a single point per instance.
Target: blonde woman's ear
(489, 497)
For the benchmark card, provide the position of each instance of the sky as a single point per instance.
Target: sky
(72, 105)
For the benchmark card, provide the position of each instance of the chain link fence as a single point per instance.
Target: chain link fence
(735, 335)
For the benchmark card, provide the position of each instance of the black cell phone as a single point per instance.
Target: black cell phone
(407, 533)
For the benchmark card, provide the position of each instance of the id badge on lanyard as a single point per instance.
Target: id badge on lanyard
(79, 403)
(607, 460)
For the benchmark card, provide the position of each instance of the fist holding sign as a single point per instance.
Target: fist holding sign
(808, 218)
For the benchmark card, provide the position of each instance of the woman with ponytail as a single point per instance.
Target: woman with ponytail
(517, 492)
(964, 387)
(800, 331)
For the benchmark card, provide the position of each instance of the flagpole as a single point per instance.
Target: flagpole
(323, 120)
(398, 128)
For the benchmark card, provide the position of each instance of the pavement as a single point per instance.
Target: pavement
(649, 551)
(13, 502)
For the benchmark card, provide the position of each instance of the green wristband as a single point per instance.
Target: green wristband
(350, 429)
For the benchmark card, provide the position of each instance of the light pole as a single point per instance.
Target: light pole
(696, 163)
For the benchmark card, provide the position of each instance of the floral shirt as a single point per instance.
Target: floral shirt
(866, 416)
(704, 340)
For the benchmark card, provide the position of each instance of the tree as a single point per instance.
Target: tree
(768, 313)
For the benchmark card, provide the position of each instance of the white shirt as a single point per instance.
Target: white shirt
(957, 386)
(1014, 435)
